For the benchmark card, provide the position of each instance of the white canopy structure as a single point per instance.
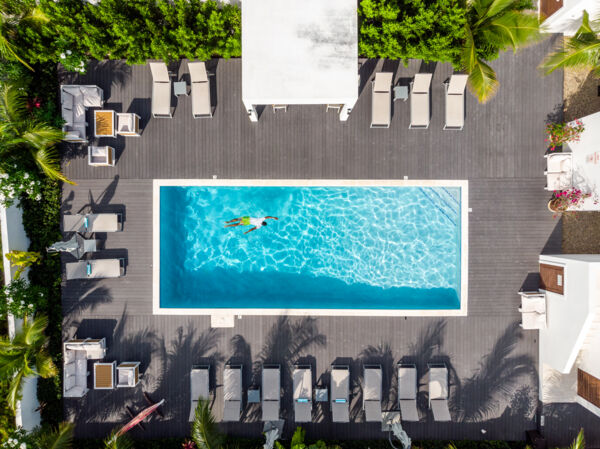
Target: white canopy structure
(299, 52)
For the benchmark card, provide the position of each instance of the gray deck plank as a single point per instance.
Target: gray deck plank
(499, 152)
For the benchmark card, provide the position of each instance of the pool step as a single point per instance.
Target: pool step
(222, 320)
(444, 202)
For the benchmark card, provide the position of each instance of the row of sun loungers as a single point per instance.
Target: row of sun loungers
(339, 398)
(161, 90)
(96, 268)
(420, 101)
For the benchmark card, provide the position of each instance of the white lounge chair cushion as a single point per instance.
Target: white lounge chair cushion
(199, 387)
(455, 111)
(372, 387)
(197, 72)
(382, 108)
(271, 384)
(340, 412)
(231, 410)
(438, 383)
(457, 84)
(440, 410)
(408, 410)
(383, 82)
(303, 411)
(302, 378)
(373, 411)
(161, 98)
(422, 83)
(340, 387)
(96, 223)
(160, 73)
(407, 382)
(419, 109)
(100, 268)
(232, 384)
(201, 99)
(270, 410)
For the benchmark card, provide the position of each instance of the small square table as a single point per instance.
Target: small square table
(101, 156)
(180, 88)
(321, 395)
(104, 375)
(128, 374)
(104, 123)
(253, 395)
(128, 124)
(400, 93)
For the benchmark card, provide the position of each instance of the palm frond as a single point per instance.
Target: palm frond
(578, 442)
(41, 136)
(515, 29)
(496, 7)
(118, 441)
(14, 389)
(44, 365)
(205, 432)
(7, 51)
(47, 160)
(60, 438)
(33, 330)
(37, 16)
(13, 108)
(575, 54)
(482, 81)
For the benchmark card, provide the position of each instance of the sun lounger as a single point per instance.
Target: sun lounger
(94, 269)
(199, 387)
(340, 393)
(271, 390)
(201, 105)
(455, 102)
(381, 100)
(302, 378)
(419, 101)
(438, 392)
(533, 320)
(161, 90)
(407, 392)
(559, 171)
(372, 392)
(92, 223)
(232, 392)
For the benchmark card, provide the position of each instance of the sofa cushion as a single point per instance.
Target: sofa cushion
(78, 110)
(73, 90)
(69, 382)
(81, 366)
(67, 100)
(70, 369)
(91, 96)
(67, 115)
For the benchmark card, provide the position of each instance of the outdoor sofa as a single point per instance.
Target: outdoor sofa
(76, 353)
(74, 101)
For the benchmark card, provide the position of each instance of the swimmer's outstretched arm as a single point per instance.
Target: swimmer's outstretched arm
(235, 219)
(274, 218)
(250, 230)
(233, 224)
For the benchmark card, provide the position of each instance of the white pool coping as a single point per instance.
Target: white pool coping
(463, 184)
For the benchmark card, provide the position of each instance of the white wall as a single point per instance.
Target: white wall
(567, 19)
(569, 316)
(14, 238)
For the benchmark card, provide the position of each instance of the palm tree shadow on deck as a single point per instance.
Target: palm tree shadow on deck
(285, 343)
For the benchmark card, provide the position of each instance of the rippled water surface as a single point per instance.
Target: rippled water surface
(332, 247)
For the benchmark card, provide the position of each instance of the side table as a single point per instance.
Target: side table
(321, 395)
(101, 156)
(104, 123)
(180, 88)
(128, 124)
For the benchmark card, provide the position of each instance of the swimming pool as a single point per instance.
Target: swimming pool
(337, 247)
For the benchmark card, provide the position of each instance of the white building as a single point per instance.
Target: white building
(564, 16)
(570, 343)
(298, 52)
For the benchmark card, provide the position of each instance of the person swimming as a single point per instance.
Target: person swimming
(255, 222)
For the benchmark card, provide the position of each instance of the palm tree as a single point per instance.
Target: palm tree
(118, 440)
(492, 26)
(582, 50)
(15, 13)
(205, 432)
(21, 136)
(578, 442)
(25, 355)
(60, 438)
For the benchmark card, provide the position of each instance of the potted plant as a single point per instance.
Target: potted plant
(560, 133)
(565, 200)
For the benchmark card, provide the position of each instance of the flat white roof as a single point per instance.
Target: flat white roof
(586, 161)
(299, 51)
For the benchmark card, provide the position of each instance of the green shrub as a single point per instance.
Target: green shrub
(25, 299)
(412, 29)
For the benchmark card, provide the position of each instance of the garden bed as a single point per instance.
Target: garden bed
(581, 233)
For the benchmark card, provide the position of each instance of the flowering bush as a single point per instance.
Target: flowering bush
(15, 181)
(562, 200)
(20, 299)
(71, 60)
(18, 439)
(559, 133)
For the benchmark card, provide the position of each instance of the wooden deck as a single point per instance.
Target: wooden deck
(500, 152)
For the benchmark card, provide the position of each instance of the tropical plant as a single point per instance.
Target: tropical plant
(559, 133)
(22, 260)
(25, 355)
(118, 440)
(13, 15)
(298, 442)
(205, 432)
(417, 29)
(21, 299)
(16, 182)
(493, 26)
(578, 442)
(21, 135)
(581, 50)
(59, 438)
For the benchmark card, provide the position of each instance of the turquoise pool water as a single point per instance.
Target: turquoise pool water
(332, 248)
